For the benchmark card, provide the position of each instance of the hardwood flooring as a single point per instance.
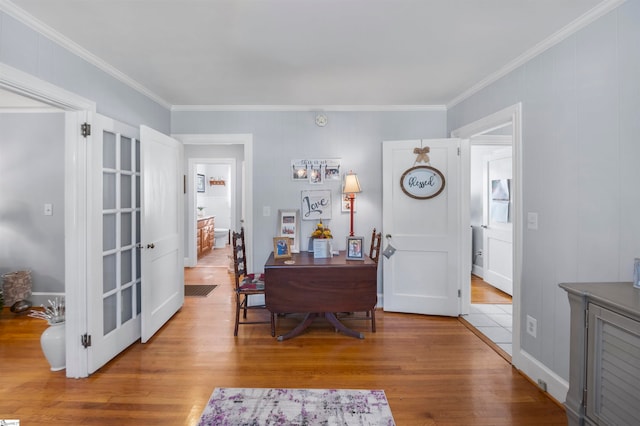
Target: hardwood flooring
(433, 370)
(482, 292)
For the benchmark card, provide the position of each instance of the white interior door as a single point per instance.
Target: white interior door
(113, 292)
(162, 229)
(424, 274)
(497, 218)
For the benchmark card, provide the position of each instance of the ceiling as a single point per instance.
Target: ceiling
(310, 52)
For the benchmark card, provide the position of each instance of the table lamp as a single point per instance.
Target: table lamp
(351, 187)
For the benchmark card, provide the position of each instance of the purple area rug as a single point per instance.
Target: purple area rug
(258, 407)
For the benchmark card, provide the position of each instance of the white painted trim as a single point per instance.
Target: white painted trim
(29, 110)
(587, 18)
(557, 387)
(307, 108)
(78, 110)
(478, 271)
(14, 11)
(245, 139)
(17, 81)
(512, 114)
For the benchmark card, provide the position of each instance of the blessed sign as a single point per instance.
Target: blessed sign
(422, 182)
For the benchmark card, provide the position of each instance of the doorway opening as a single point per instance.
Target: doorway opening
(491, 296)
(491, 310)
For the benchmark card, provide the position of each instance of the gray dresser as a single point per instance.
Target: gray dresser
(604, 374)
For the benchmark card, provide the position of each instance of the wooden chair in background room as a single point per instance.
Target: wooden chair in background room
(374, 251)
(374, 254)
(246, 285)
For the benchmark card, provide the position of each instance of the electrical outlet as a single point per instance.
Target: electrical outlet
(48, 209)
(532, 326)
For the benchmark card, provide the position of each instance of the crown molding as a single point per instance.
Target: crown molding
(306, 108)
(584, 20)
(14, 11)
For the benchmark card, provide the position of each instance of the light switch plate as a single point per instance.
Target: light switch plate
(48, 209)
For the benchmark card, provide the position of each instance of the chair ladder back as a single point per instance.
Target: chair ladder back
(239, 255)
(374, 251)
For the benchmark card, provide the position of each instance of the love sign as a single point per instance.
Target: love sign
(316, 205)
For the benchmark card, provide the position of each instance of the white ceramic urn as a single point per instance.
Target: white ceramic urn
(53, 345)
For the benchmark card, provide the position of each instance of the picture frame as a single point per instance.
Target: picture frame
(315, 205)
(282, 248)
(355, 248)
(289, 226)
(346, 204)
(200, 183)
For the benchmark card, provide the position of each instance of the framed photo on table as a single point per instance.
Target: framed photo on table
(282, 248)
(289, 226)
(355, 249)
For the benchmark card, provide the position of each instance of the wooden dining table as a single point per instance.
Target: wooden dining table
(320, 288)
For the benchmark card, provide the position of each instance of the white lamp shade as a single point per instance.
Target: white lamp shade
(351, 184)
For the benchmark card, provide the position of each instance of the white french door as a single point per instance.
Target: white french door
(163, 198)
(135, 267)
(424, 274)
(113, 287)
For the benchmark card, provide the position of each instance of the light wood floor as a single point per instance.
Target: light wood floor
(482, 292)
(433, 370)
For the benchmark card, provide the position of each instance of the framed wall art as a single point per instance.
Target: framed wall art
(316, 171)
(315, 205)
(199, 182)
(289, 226)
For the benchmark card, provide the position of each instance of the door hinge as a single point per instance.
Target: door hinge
(458, 151)
(85, 128)
(459, 293)
(85, 340)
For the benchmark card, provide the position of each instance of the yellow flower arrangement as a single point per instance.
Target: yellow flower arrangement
(321, 231)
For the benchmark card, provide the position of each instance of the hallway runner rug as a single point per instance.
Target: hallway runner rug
(263, 406)
(198, 290)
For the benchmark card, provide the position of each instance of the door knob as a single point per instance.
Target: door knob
(150, 246)
(483, 226)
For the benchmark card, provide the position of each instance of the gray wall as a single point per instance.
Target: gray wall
(33, 53)
(279, 137)
(581, 103)
(32, 170)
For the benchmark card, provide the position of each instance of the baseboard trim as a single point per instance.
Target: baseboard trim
(534, 370)
(477, 271)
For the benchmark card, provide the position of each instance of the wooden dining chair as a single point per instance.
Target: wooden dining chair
(246, 285)
(374, 251)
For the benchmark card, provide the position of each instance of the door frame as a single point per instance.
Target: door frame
(246, 140)
(513, 115)
(77, 110)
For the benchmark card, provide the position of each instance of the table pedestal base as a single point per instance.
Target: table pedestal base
(311, 316)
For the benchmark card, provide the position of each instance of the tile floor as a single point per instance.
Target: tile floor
(494, 321)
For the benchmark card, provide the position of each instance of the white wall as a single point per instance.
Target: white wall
(32, 174)
(279, 137)
(216, 199)
(581, 103)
